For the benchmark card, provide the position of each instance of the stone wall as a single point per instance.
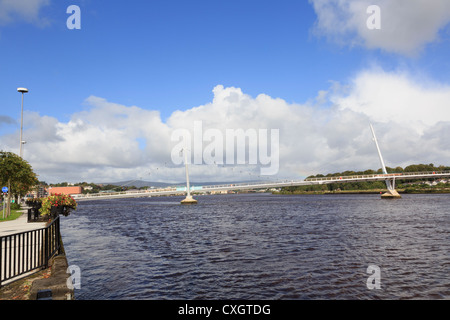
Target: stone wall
(56, 284)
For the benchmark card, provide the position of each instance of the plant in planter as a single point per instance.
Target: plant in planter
(35, 203)
(57, 204)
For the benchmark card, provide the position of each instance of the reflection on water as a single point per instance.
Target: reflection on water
(261, 246)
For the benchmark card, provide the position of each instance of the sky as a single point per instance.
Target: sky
(105, 99)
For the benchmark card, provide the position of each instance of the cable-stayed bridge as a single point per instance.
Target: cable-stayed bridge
(388, 178)
(263, 185)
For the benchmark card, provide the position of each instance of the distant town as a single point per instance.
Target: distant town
(43, 189)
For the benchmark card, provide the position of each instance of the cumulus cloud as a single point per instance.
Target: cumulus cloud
(396, 97)
(96, 143)
(406, 25)
(23, 10)
(113, 142)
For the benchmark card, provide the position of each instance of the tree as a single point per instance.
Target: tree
(17, 174)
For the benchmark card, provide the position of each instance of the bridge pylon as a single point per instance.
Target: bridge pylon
(189, 200)
(390, 183)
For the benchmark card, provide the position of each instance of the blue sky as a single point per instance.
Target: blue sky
(169, 55)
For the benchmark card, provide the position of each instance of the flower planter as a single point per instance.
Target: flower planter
(58, 204)
(56, 211)
(34, 203)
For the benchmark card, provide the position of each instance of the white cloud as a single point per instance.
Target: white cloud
(112, 142)
(406, 25)
(396, 97)
(24, 10)
(100, 140)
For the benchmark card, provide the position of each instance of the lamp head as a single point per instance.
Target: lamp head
(22, 90)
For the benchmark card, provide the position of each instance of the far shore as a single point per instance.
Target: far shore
(375, 191)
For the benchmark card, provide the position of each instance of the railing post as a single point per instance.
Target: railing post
(46, 244)
(58, 235)
(1, 260)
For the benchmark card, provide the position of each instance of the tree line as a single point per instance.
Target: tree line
(364, 185)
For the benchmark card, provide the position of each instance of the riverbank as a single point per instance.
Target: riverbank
(54, 278)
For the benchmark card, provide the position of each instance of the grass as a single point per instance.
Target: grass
(15, 214)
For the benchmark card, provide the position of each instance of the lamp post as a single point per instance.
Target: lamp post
(23, 91)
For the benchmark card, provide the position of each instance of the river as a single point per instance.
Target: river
(261, 246)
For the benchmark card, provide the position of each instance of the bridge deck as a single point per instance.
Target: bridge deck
(264, 185)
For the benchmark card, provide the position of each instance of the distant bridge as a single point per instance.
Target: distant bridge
(263, 185)
(388, 178)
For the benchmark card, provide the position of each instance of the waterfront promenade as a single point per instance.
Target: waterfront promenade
(51, 276)
(19, 225)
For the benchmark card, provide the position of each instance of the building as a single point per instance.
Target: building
(65, 190)
(37, 192)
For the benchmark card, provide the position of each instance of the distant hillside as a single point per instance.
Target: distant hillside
(139, 184)
(142, 184)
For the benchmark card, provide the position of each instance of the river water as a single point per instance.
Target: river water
(261, 246)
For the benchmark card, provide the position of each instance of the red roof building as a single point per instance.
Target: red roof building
(65, 190)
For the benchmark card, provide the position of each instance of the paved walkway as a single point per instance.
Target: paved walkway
(19, 225)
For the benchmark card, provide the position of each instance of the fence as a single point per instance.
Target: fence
(29, 251)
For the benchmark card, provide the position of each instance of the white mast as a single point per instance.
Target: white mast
(390, 183)
(188, 187)
(189, 199)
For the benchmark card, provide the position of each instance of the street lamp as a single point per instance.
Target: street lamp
(23, 91)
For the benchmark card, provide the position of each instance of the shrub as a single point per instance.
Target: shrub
(15, 206)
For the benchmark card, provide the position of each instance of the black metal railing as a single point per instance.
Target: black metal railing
(35, 216)
(29, 251)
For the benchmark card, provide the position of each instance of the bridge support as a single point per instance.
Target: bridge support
(189, 200)
(391, 193)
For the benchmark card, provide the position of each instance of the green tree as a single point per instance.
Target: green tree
(17, 174)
